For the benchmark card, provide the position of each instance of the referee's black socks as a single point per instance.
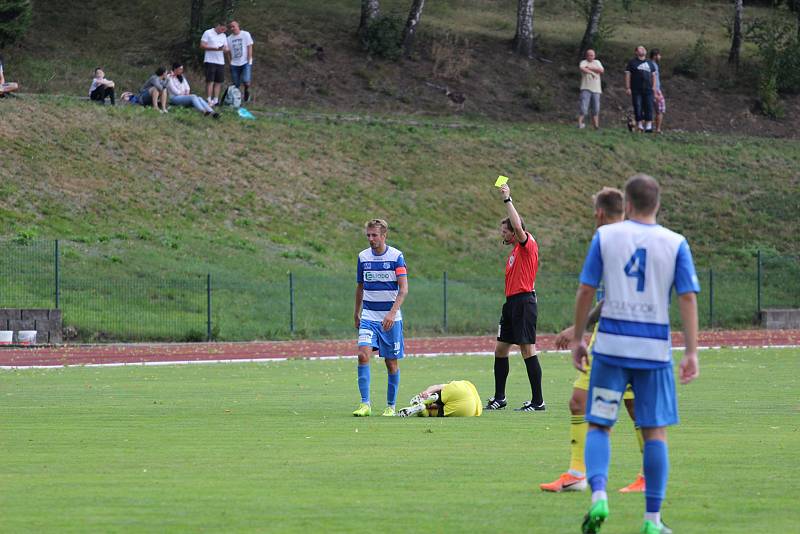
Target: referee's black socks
(500, 376)
(534, 377)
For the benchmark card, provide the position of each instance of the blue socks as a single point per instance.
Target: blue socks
(391, 390)
(597, 456)
(656, 472)
(363, 381)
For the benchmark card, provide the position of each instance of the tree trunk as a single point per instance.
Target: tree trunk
(228, 10)
(592, 26)
(410, 31)
(370, 10)
(736, 41)
(523, 40)
(191, 51)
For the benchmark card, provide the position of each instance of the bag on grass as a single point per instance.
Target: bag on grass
(233, 97)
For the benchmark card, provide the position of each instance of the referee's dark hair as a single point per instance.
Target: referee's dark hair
(507, 222)
(611, 201)
(643, 192)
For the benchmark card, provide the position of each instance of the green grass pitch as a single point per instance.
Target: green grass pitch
(272, 448)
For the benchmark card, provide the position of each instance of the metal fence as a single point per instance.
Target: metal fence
(125, 307)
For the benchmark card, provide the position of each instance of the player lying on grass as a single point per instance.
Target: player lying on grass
(458, 398)
(608, 209)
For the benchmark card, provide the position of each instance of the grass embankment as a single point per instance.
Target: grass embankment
(274, 448)
(137, 197)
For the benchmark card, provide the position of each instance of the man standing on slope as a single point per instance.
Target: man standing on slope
(214, 43)
(382, 287)
(518, 320)
(638, 262)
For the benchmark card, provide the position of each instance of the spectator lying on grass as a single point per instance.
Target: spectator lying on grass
(101, 88)
(154, 91)
(180, 94)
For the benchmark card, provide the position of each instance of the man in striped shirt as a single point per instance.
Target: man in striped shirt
(382, 287)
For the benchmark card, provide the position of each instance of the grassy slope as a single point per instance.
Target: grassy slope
(272, 448)
(140, 195)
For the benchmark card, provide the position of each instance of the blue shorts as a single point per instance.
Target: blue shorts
(655, 404)
(241, 74)
(388, 344)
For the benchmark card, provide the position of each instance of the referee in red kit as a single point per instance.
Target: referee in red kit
(518, 319)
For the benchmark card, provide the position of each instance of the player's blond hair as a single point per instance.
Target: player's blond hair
(377, 223)
(610, 200)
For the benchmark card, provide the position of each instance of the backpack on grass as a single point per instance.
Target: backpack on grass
(233, 97)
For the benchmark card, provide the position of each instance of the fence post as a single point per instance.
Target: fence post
(291, 303)
(444, 296)
(758, 283)
(58, 287)
(711, 298)
(208, 307)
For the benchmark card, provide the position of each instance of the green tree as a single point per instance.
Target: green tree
(15, 17)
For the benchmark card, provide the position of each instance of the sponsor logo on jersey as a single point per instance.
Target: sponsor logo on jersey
(632, 307)
(378, 276)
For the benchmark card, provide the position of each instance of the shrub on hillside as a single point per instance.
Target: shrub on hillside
(382, 37)
(693, 62)
(15, 17)
(451, 56)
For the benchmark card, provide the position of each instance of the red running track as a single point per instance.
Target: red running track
(183, 352)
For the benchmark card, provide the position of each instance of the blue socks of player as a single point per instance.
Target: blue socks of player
(500, 376)
(597, 456)
(391, 390)
(656, 472)
(363, 381)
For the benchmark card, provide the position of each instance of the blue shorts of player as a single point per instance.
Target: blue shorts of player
(388, 344)
(241, 74)
(655, 404)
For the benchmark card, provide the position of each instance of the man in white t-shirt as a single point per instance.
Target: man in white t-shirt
(240, 52)
(591, 88)
(215, 43)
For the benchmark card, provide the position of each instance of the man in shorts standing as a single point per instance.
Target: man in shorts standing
(591, 89)
(659, 103)
(240, 45)
(215, 43)
(609, 208)
(382, 286)
(639, 262)
(518, 320)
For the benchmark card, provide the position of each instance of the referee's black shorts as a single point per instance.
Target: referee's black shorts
(518, 320)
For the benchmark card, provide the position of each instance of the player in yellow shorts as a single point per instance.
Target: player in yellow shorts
(608, 209)
(458, 398)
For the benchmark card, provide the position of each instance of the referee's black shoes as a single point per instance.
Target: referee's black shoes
(495, 404)
(528, 406)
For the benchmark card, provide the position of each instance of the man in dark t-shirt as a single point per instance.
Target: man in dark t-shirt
(640, 76)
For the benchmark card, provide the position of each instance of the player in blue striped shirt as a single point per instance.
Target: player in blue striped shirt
(382, 286)
(638, 262)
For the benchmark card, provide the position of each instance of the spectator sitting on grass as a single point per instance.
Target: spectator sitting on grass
(9, 87)
(180, 95)
(154, 91)
(101, 88)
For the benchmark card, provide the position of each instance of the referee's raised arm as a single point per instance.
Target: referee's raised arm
(513, 216)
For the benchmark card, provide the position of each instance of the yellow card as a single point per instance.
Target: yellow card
(501, 180)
